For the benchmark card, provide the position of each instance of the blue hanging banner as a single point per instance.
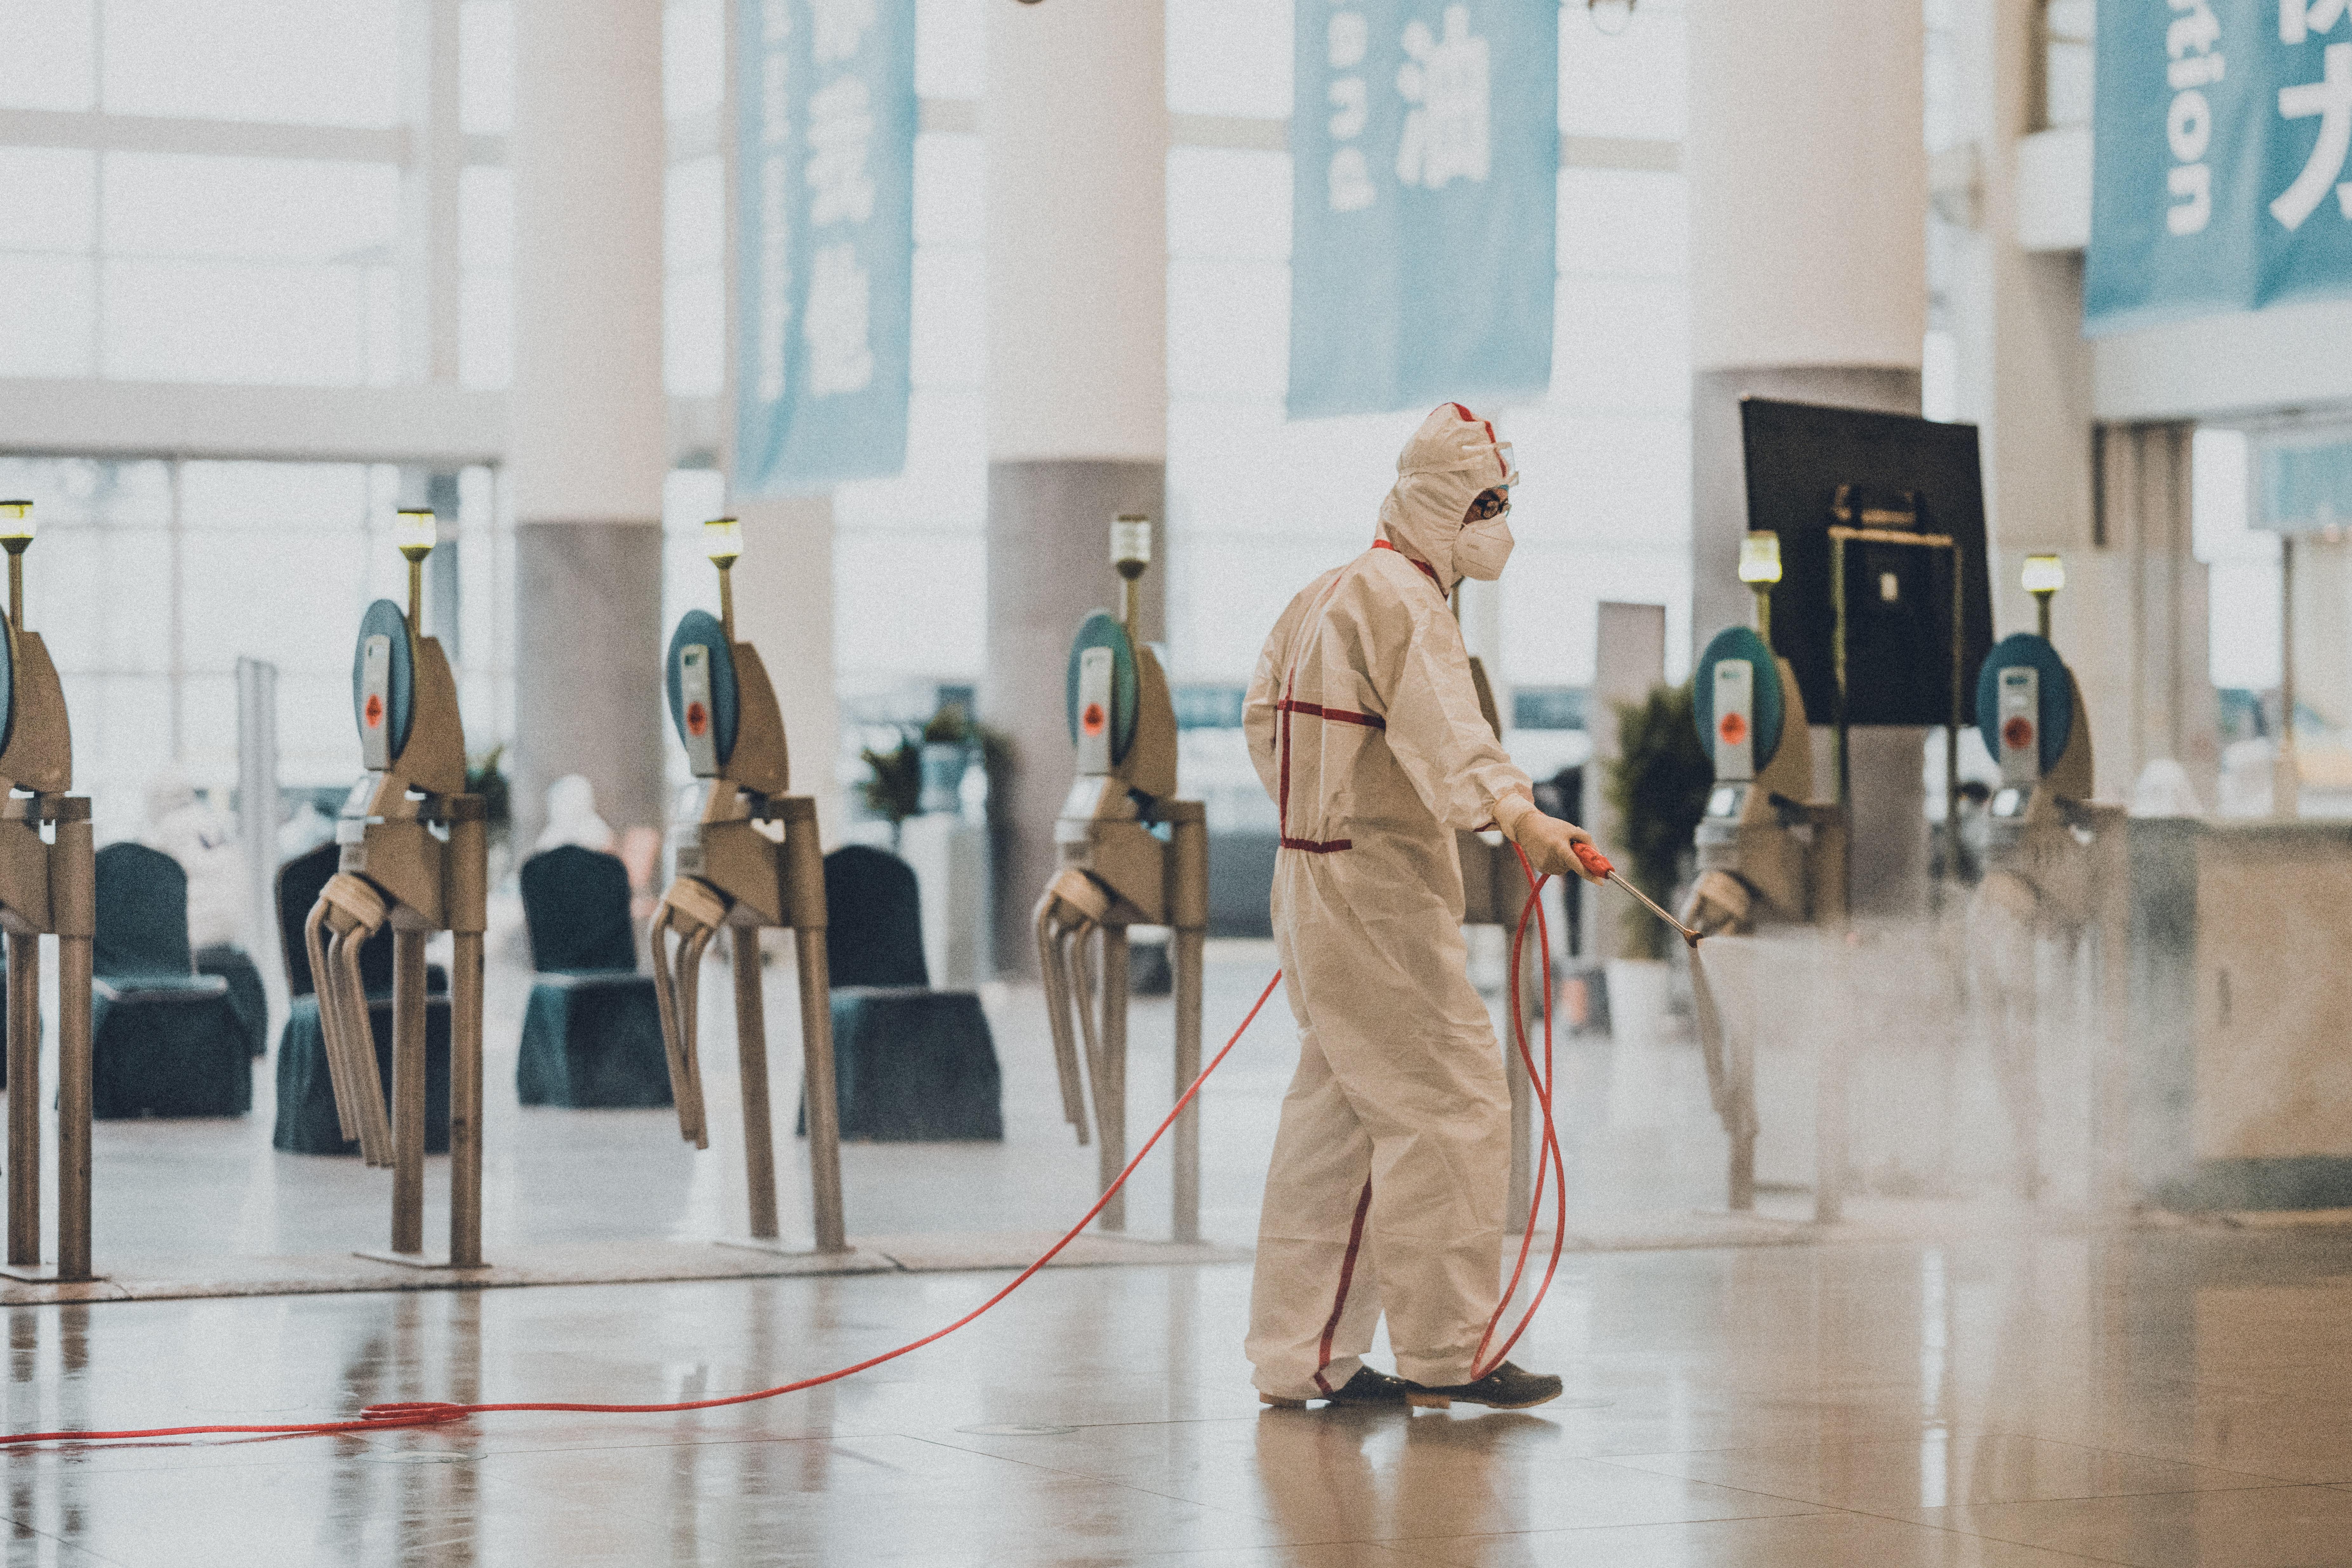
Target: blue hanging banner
(1425, 144)
(825, 203)
(2220, 179)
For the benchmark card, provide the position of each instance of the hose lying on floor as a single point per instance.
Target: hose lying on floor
(689, 915)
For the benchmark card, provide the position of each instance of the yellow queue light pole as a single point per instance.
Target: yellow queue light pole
(48, 886)
(1760, 568)
(752, 861)
(2042, 577)
(415, 848)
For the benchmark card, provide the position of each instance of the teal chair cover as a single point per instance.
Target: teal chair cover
(306, 1096)
(911, 1064)
(246, 993)
(164, 1040)
(592, 1030)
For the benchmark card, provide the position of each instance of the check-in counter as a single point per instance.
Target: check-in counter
(2238, 1021)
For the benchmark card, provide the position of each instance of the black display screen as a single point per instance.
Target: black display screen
(1810, 467)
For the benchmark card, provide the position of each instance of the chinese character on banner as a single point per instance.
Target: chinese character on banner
(1438, 120)
(826, 253)
(1445, 80)
(2222, 158)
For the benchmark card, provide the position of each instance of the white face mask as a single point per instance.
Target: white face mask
(1483, 546)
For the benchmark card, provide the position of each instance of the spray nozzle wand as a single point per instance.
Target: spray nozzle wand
(1597, 864)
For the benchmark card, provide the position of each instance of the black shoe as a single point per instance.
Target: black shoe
(1505, 1388)
(1366, 1387)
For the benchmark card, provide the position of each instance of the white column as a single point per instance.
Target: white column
(1075, 126)
(429, 258)
(784, 606)
(1807, 189)
(588, 440)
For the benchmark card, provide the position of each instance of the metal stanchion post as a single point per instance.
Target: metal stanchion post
(1189, 920)
(466, 1099)
(24, 1100)
(751, 1064)
(734, 872)
(415, 848)
(408, 1104)
(822, 1092)
(469, 916)
(73, 911)
(46, 886)
(1110, 1152)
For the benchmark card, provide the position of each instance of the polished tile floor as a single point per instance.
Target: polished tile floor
(2003, 1396)
(2152, 1398)
(166, 1193)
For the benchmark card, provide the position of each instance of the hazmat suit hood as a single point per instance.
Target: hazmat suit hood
(1453, 457)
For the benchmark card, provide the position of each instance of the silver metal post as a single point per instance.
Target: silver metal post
(257, 799)
(73, 1108)
(465, 1099)
(751, 1061)
(1188, 844)
(1186, 947)
(817, 1086)
(24, 1100)
(408, 1109)
(1110, 1154)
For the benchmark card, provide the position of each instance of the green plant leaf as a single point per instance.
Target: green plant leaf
(1658, 784)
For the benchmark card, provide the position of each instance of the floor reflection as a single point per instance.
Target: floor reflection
(2157, 1397)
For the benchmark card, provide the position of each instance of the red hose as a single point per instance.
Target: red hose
(438, 1413)
(1542, 1083)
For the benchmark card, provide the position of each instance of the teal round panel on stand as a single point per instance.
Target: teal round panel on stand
(1103, 629)
(397, 702)
(700, 627)
(1766, 705)
(7, 680)
(2056, 703)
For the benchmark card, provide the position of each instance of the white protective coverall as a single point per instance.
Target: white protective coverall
(1391, 1167)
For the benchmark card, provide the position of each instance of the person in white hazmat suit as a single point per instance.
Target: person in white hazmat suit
(1391, 1167)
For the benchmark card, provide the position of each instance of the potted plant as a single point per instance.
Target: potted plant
(893, 787)
(486, 776)
(947, 753)
(1657, 784)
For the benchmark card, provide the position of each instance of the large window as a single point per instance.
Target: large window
(151, 578)
(214, 192)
